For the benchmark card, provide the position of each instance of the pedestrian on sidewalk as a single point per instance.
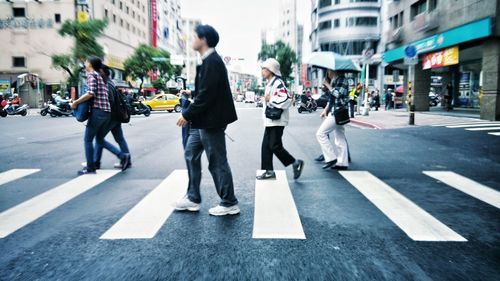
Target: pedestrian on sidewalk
(448, 96)
(211, 110)
(353, 96)
(114, 126)
(335, 157)
(100, 115)
(388, 99)
(278, 99)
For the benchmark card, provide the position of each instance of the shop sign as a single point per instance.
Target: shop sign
(26, 23)
(154, 23)
(464, 33)
(5, 86)
(114, 62)
(442, 58)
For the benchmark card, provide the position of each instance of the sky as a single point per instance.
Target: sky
(239, 24)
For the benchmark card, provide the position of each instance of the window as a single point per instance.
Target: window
(361, 21)
(325, 25)
(324, 3)
(19, 12)
(354, 1)
(121, 5)
(57, 18)
(18, 62)
(114, 18)
(106, 13)
(127, 10)
(418, 8)
(128, 26)
(336, 23)
(133, 14)
(121, 22)
(113, 2)
(432, 5)
(337, 2)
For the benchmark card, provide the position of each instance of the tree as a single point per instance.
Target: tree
(283, 54)
(85, 35)
(141, 63)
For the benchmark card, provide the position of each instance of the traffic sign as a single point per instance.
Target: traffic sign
(159, 59)
(410, 51)
(368, 53)
(411, 61)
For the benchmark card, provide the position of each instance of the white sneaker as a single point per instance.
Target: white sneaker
(222, 211)
(185, 204)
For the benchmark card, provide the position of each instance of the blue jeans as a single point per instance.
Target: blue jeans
(213, 142)
(116, 129)
(96, 129)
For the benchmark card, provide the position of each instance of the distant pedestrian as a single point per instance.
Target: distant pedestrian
(353, 96)
(376, 100)
(115, 126)
(448, 97)
(335, 157)
(209, 114)
(101, 112)
(388, 99)
(278, 99)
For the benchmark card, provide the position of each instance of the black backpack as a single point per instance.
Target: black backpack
(118, 103)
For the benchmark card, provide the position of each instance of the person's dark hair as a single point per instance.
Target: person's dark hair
(106, 73)
(209, 33)
(96, 63)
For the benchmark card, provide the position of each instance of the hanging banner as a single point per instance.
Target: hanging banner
(439, 59)
(154, 24)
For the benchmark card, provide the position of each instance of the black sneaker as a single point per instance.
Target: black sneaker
(340, 168)
(297, 168)
(125, 162)
(267, 175)
(86, 171)
(320, 158)
(329, 164)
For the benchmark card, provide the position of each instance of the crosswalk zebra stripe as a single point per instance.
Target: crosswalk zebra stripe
(275, 216)
(484, 129)
(21, 215)
(495, 134)
(14, 174)
(460, 123)
(468, 186)
(410, 218)
(474, 125)
(148, 216)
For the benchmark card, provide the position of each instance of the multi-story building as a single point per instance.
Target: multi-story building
(241, 82)
(30, 38)
(169, 27)
(290, 32)
(191, 57)
(346, 27)
(458, 41)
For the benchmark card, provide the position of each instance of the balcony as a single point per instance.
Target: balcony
(426, 21)
(395, 35)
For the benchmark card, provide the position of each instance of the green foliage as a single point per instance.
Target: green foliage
(141, 62)
(85, 36)
(160, 84)
(283, 54)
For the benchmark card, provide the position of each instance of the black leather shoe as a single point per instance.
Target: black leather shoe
(297, 168)
(320, 158)
(86, 171)
(329, 164)
(267, 175)
(339, 168)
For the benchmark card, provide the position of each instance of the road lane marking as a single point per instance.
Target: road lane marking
(146, 218)
(461, 123)
(495, 134)
(21, 215)
(474, 125)
(467, 186)
(410, 218)
(275, 216)
(484, 129)
(14, 174)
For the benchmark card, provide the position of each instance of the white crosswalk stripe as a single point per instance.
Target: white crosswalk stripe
(473, 125)
(410, 218)
(468, 186)
(14, 174)
(147, 217)
(488, 126)
(275, 216)
(495, 134)
(21, 215)
(460, 123)
(484, 129)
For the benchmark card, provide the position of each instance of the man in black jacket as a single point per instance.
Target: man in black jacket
(209, 114)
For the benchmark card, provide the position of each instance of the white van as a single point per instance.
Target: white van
(250, 97)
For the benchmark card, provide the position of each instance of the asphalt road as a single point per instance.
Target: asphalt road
(347, 236)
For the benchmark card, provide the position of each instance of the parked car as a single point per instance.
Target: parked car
(167, 102)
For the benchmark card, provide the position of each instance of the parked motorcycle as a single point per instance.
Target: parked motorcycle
(138, 108)
(63, 109)
(434, 99)
(307, 104)
(8, 109)
(45, 109)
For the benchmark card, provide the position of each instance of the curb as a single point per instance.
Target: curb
(365, 124)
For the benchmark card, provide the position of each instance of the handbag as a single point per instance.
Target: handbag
(273, 113)
(341, 115)
(84, 109)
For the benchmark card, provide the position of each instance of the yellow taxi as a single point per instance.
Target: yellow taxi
(167, 102)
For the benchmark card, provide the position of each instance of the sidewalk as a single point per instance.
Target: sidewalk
(399, 118)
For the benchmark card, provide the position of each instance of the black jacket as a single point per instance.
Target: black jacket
(213, 105)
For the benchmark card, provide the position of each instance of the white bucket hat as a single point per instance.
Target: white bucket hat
(273, 66)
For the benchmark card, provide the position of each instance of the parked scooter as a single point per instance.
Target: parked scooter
(64, 109)
(307, 104)
(434, 99)
(9, 109)
(45, 108)
(138, 108)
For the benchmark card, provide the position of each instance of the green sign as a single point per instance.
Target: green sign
(464, 33)
(5, 86)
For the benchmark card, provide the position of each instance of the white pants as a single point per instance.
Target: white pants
(330, 152)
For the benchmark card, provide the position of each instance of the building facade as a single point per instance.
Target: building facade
(455, 41)
(191, 57)
(169, 30)
(347, 27)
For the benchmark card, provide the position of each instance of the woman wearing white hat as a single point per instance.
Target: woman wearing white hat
(276, 101)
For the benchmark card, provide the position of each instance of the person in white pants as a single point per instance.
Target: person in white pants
(336, 157)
